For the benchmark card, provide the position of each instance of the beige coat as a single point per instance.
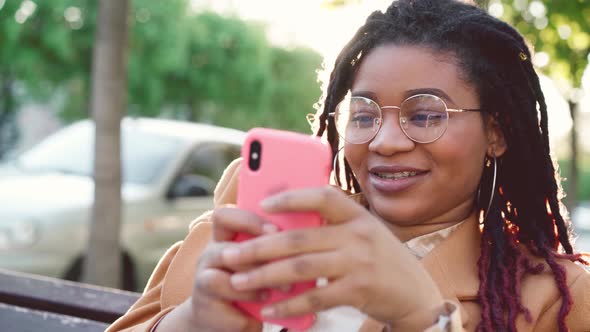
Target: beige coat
(452, 265)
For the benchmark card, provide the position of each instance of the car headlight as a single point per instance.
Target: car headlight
(15, 235)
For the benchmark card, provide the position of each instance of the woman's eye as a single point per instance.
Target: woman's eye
(426, 118)
(363, 120)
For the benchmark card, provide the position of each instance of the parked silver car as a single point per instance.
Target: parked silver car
(169, 172)
(581, 217)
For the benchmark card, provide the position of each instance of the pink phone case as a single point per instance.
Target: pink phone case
(287, 161)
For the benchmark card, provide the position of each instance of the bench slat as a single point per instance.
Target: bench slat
(64, 297)
(13, 318)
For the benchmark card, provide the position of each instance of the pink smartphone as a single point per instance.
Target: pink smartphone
(274, 161)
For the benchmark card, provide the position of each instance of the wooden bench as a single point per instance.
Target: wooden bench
(34, 303)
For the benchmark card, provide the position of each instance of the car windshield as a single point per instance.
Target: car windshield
(71, 151)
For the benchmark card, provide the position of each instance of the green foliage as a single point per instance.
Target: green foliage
(197, 66)
(292, 97)
(227, 63)
(583, 190)
(225, 72)
(40, 49)
(560, 28)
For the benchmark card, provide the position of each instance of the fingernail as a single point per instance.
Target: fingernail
(230, 254)
(239, 280)
(268, 312)
(269, 228)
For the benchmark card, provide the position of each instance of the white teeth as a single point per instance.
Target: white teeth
(395, 176)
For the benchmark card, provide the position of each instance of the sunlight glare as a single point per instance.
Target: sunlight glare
(72, 14)
(564, 31)
(586, 77)
(496, 9)
(541, 59)
(27, 8)
(19, 17)
(303, 22)
(560, 121)
(520, 4)
(541, 22)
(537, 8)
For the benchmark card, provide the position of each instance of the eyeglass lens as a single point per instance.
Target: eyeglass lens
(423, 118)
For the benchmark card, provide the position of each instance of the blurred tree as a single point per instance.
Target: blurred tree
(109, 78)
(41, 48)
(225, 70)
(157, 38)
(231, 76)
(559, 31)
(197, 66)
(295, 88)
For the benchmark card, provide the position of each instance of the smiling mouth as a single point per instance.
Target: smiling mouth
(396, 175)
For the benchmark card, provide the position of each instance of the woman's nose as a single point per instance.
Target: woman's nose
(390, 138)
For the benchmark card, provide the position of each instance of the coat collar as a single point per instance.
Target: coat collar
(452, 264)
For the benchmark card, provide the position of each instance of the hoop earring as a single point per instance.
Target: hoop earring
(488, 164)
(334, 162)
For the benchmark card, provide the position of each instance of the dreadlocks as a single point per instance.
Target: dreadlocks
(525, 213)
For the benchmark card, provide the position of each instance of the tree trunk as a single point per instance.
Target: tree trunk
(572, 193)
(108, 100)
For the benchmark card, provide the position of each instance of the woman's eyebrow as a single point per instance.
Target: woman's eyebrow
(432, 91)
(366, 94)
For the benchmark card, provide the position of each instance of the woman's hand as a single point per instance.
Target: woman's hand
(366, 265)
(209, 308)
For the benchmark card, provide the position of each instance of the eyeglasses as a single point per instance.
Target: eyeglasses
(423, 118)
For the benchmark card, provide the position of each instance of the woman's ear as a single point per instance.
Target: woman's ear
(496, 141)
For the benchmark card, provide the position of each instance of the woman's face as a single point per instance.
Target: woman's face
(448, 169)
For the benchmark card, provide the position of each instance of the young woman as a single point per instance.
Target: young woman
(448, 217)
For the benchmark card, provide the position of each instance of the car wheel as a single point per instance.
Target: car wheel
(74, 272)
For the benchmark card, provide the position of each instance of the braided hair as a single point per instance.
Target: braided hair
(526, 214)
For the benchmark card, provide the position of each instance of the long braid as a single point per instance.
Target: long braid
(550, 240)
(564, 233)
(510, 93)
(546, 239)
